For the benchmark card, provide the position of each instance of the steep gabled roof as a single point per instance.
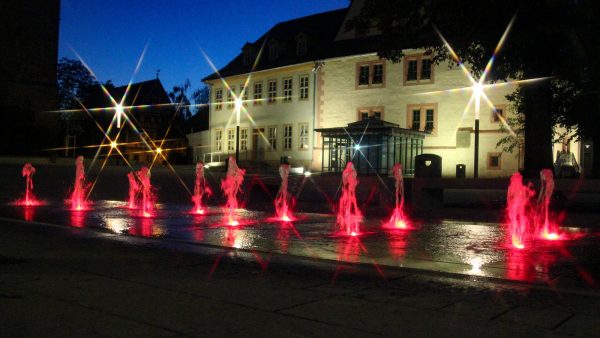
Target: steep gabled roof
(149, 92)
(320, 29)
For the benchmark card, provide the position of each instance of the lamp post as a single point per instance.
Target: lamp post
(478, 92)
(238, 108)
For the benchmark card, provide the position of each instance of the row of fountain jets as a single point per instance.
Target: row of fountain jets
(527, 218)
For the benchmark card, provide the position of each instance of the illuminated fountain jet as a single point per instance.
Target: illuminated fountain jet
(231, 186)
(547, 228)
(201, 189)
(78, 199)
(348, 214)
(29, 199)
(282, 201)
(147, 195)
(134, 189)
(518, 204)
(398, 219)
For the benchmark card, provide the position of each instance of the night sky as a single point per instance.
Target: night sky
(110, 35)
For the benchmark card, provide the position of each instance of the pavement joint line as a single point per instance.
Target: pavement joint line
(325, 297)
(108, 313)
(559, 324)
(331, 324)
(496, 316)
(156, 242)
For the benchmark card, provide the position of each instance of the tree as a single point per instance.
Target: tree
(549, 38)
(179, 96)
(75, 85)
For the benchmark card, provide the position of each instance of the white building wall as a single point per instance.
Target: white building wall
(342, 100)
(265, 115)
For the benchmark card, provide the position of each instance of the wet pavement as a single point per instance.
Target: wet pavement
(453, 247)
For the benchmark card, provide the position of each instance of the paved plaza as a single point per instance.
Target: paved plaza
(110, 272)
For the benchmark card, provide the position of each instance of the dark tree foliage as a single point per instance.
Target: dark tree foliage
(179, 96)
(549, 38)
(75, 86)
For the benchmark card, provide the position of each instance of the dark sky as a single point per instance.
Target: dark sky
(110, 35)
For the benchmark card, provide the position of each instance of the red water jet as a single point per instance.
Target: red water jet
(231, 186)
(348, 214)
(398, 219)
(547, 229)
(147, 194)
(518, 208)
(201, 189)
(29, 200)
(78, 200)
(134, 189)
(283, 200)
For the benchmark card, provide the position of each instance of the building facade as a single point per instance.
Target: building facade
(311, 73)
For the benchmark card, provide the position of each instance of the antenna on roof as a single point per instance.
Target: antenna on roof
(157, 73)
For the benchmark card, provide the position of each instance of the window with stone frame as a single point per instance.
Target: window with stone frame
(244, 94)
(258, 89)
(287, 137)
(218, 99)
(304, 87)
(218, 140)
(494, 161)
(272, 137)
(422, 117)
(418, 69)
(498, 113)
(303, 136)
(230, 140)
(272, 93)
(287, 89)
(370, 74)
(230, 94)
(243, 139)
(366, 112)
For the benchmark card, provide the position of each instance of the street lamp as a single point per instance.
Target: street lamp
(237, 108)
(477, 92)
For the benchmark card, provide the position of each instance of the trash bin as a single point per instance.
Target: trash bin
(428, 194)
(461, 171)
(428, 166)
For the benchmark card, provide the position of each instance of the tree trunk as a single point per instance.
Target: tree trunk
(537, 104)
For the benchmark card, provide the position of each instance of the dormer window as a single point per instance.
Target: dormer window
(247, 54)
(301, 44)
(273, 52)
(246, 57)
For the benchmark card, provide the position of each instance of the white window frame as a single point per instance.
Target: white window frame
(288, 88)
(304, 85)
(243, 139)
(272, 137)
(230, 140)
(219, 140)
(230, 97)
(272, 92)
(288, 132)
(303, 136)
(218, 98)
(258, 93)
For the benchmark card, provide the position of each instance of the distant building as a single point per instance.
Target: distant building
(315, 78)
(28, 61)
(156, 125)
